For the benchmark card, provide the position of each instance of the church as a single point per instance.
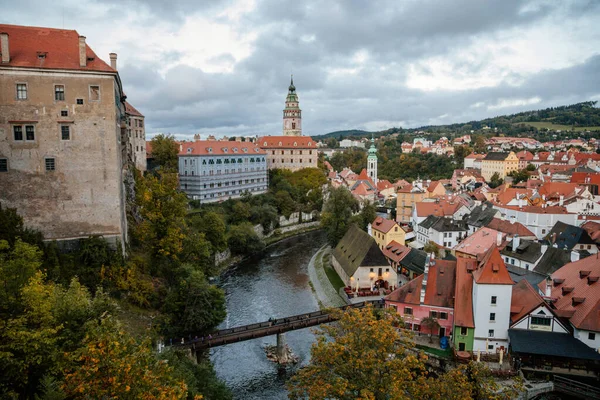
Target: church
(292, 150)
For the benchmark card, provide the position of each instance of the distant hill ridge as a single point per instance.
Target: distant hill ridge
(575, 117)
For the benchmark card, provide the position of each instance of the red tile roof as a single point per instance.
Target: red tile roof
(383, 185)
(509, 228)
(525, 299)
(60, 45)
(492, 270)
(129, 109)
(593, 229)
(383, 225)
(441, 281)
(286, 142)
(441, 209)
(463, 295)
(585, 178)
(585, 315)
(219, 147)
(556, 189)
(480, 242)
(395, 251)
(362, 190)
(509, 194)
(432, 186)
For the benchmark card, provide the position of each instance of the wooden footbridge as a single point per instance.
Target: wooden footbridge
(273, 327)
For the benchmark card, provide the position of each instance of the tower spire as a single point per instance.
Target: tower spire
(292, 115)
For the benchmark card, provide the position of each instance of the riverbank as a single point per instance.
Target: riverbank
(288, 232)
(322, 287)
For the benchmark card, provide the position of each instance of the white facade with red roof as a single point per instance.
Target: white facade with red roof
(217, 170)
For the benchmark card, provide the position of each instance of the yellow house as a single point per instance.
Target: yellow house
(409, 195)
(502, 163)
(385, 230)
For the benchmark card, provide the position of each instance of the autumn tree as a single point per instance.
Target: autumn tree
(165, 151)
(162, 228)
(360, 357)
(364, 356)
(337, 214)
(367, 215)
(112, 365)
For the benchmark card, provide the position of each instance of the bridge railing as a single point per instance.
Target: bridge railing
(267, 328)
(580, 389)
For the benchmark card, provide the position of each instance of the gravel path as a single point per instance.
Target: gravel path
(323, 288)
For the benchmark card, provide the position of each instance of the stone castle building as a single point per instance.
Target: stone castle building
(63, 138)
(291, 151)
(136, 136)
(217, 170)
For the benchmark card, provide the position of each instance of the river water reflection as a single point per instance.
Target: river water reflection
(275, 285)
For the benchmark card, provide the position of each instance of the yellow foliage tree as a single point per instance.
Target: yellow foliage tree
(112, 365)
(365, 356)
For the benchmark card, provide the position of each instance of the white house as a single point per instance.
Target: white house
(492, 293)
(524, 254)
(538, 220)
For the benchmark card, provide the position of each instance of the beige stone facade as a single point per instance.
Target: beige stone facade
(60, 141)
(288, 152)
(502, 163)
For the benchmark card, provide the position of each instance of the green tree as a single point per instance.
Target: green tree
(165, 151)
(495, 180)
(244, 240)
(241, 212)
(519, 176)
(213, 226)
(432, 247)
(337, 214)
(530, 167)
(162, 208)
(367, 215)
(285, 204)
(193, 306)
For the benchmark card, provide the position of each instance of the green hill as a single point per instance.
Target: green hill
(580, 117)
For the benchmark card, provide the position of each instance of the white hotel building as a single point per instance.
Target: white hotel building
(212, 170)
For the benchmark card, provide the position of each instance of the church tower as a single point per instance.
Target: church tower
(292, 115)
(372, 162)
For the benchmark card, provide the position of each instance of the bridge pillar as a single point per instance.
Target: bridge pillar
(281, 353)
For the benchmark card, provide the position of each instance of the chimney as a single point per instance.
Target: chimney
(82, 52)
(424, 283)
(5, 48)
(516, 242)
(369, 229)
(548, 286)
(499, 239)
(544, 248)
(113, 60)
(574, 256)
(561, 200)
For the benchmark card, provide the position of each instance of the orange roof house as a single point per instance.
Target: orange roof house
(492, 270)
(575, 293)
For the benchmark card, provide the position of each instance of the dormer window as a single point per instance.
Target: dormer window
(235, 150)
(189, 150)
(209, 149)
(245, 150)
(310, 143)
(280, 143)
(225, 149)
(265, 144)
(41, 55)
(295, 144)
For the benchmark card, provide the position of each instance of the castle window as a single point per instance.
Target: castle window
(64, 113)
(50, 164)
(80, 102)
(18, 132)
(65, 132)
(21, 91)
(3, 165)
(59, 92)
(94, 93)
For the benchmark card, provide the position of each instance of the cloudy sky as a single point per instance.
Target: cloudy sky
(223, 66)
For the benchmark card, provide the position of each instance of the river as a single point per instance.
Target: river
(274, 285)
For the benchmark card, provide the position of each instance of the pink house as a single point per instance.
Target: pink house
(428, 295)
